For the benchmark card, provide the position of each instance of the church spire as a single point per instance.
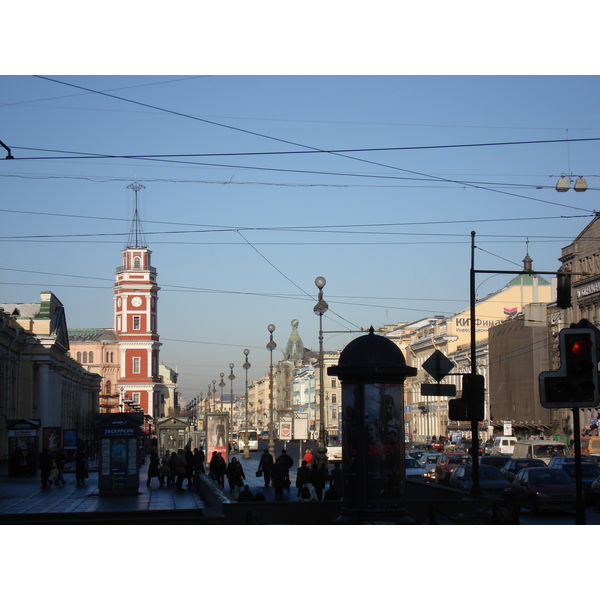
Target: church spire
(136, 235)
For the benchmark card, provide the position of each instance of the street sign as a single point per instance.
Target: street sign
(438, 365)
(438, 389)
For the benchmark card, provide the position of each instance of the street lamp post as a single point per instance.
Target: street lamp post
(231, 377)
(214, 395)
(221, 385)
(208, 396)
(270, 347)
(320, 309)
(246, 366)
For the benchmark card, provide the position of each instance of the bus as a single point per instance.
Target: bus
(252, 438)
(334, 448)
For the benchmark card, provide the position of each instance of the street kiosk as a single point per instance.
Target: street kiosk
(119, 453)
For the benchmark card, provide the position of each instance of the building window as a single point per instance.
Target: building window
(333, 382)
(91, 357)
(136, 323)
(79, 357)
(135, 397)
(137, 263)
(85, 357)
(136, 364)
(333, 398)
(108, 388)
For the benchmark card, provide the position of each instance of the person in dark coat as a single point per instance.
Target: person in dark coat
(317, 478)
(302, 477)
(288, 463)
(198, 460)
(235, 477)
(81, 473)
(245, 495)
(335, 482)
(153, 467)
(278, 475)
(266, 466)
(46, 468)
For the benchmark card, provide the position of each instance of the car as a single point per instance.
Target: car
(590, 472)
(490, 479)
(496, 460)
(428, 462)
(514, 465)
(557, 461)
(436, 445)
(413, 470)
(543, 488)
(595, 493)
(416, 454)
(466, 445)
(447, 462)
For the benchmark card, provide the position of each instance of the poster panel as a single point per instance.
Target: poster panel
(70, 439)
(217, 435)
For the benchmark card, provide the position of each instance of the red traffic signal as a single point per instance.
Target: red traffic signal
(575, 384)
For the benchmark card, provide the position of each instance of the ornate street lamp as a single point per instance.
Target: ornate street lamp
(221, 385)
(320, 309)
(208, 396)
(246, 366)
(231, 377)
(270, 347)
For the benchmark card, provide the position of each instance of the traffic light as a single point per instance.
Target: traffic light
(575, 384)
(563, 291)
(471, 406)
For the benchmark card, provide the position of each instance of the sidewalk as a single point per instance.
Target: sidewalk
(24, 495)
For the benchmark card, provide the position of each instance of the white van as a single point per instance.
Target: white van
(543, 449)
(504, 444)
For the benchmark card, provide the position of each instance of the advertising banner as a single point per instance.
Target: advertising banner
(217, 435)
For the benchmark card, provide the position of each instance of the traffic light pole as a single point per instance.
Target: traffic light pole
(579, 499)
(474, 422)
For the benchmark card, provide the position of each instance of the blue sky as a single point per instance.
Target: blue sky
(238, 240)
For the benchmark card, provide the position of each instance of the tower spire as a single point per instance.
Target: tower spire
(136, 235)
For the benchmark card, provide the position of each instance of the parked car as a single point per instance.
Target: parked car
(447, 462)
(514, 465)
(542, 449)
(496, 460)
(590, 472)
(414, 470)
(543, 488)
(557, 461)
(490, 479)
(428, 462)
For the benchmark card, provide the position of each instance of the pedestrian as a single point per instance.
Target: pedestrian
(266, 466)
(153, 467)
(198, 460)
(189, 458)
(180, 469)
(172, 461)
(308, 457)
(164, 471)
(81, 472)
(302, 476)
(317, 478)
(288, 463)
(60, 461)
(235, 477)
(278, 475)
(335, 481)
(245, 495)
(46, 468)
(216, 470)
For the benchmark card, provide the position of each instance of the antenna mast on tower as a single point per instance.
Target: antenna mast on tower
(136, 235)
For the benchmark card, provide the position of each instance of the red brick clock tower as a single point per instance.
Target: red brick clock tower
(136, 305)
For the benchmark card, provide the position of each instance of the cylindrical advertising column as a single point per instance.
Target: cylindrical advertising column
(372, 370)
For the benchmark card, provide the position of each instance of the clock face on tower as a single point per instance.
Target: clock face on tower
(136, 301)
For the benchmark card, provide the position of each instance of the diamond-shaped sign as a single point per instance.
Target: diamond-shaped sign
(438, 365)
